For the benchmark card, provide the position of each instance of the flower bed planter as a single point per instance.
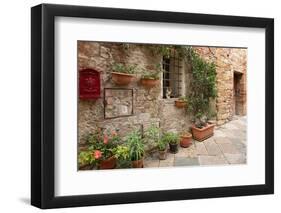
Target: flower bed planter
(203, 133)
(109, 163)
(137, 163)
(180, 104)
(122, 78)
(149, 83)
(186, 140)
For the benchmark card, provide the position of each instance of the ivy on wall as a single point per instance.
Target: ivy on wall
(203, 79)
(203, 88)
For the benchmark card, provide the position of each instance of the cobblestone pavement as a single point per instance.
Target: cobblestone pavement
(227, 146)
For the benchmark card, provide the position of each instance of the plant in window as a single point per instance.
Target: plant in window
(150, 76)
(123, 74)
(136, 149)
(203, 89)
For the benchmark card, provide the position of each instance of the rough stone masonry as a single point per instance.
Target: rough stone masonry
(148, 105)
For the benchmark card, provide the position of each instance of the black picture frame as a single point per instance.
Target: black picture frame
(43, 105)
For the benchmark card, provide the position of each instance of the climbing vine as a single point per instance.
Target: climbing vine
(203, 88)
(203, 79)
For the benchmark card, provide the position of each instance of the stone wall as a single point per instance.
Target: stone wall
(229, 61)
(148, 104)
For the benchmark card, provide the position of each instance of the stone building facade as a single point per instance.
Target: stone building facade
(231, 68)
(150, 105)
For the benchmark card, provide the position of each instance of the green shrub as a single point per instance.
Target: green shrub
(203, 88)
(135, 145)
(171, 137)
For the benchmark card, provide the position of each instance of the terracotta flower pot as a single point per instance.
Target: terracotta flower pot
(122, 78)
(137, 163)
(203, 133)
(149, 83)
(173, 148)
(162, 154)
(186, 140)
(108, 163)
(180, 104)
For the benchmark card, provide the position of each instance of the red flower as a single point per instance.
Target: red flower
(105, 139)
(97, 154)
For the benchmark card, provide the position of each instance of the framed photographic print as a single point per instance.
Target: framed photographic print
(139, 106)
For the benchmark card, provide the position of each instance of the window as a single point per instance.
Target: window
(172, 77)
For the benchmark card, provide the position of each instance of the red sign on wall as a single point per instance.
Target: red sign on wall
(89, 84)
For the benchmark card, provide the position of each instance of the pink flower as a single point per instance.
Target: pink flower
(97, 154)
(105, 139)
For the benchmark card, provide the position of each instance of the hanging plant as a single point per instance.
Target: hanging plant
(123, 74)
(150, 76)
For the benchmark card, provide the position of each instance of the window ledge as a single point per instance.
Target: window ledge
(169, 101)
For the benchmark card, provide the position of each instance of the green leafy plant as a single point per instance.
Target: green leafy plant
(171, 137)
(126, 69)
(153, 72)
(182, 98)
(203, 88)
(121, 152)
(86, 158)
(153, 133)
(162, 144)
(103, 143)
(135, 145)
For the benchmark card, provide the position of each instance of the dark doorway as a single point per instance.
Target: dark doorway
(237, 93)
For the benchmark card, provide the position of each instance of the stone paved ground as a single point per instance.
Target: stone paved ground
(227, 146)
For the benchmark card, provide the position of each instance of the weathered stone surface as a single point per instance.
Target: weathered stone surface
(183, 161)
(151, 163)
(220, 140)
(164, 163)
(212, 147)
(228, 62)
(212, 160)
(200, 148)
(228, 148)
(235, 158)
(148, 104)
(233, 151)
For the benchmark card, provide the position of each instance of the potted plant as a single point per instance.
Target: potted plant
(153, 135)
(123, 74)
(136, 149)
(102, 145)
(150, 77)
(173, 140)
(121, 153)
(181, 102)
(162, 149)
(86, 160)
(203, 89)
(186, 140)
